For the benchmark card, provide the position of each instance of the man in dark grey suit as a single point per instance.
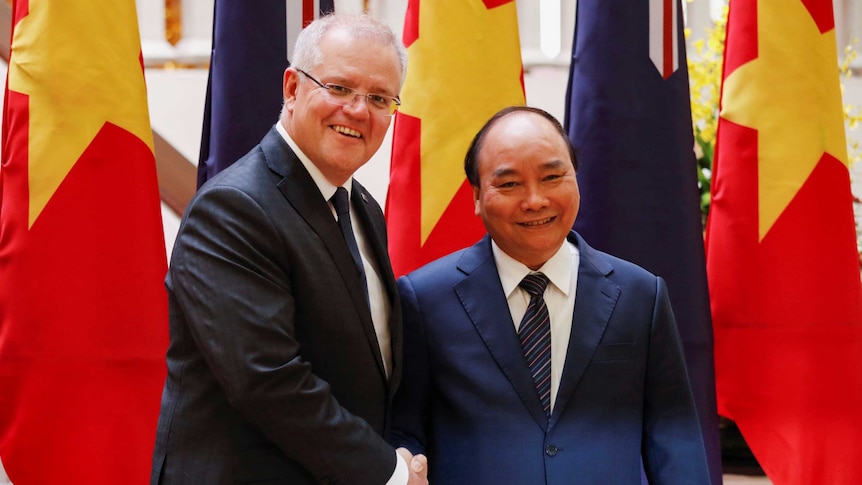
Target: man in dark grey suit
(285, 328)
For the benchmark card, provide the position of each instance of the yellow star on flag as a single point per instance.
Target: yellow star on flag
(786, 95)
(79, 64)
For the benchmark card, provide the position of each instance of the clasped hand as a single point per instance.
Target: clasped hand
(418, 466)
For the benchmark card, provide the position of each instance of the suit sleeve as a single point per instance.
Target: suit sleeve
(411, 401)
(240, 308)
(673, 444)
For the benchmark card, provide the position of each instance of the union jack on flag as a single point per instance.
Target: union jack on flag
(663, 34)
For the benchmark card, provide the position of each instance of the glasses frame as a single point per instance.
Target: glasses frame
(337, 92)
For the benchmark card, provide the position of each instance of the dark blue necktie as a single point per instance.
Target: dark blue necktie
(342, 208)
(535, 336)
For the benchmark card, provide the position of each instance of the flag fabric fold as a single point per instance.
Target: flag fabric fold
(781, 250)
(83, 309)
(244, 90)
(465, 65)
(629, 117)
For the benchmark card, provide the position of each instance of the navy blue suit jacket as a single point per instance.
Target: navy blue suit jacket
(468, 400)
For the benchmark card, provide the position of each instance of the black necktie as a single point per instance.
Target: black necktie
(342, 209)
(535, 336)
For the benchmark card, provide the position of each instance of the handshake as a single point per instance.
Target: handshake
(418, 466)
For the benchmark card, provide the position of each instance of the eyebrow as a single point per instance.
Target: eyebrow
(502, 172)
(557, 163)
(343, 81)
(553, 164)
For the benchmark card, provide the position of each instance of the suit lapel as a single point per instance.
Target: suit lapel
(595, 298)
(375, 233)
(299, 189)
(483, 299)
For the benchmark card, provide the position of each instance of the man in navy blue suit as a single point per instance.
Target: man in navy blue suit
(531, 357)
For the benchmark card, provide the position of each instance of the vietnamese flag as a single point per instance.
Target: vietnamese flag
(465, 65)
(781, 251)
(83, 309)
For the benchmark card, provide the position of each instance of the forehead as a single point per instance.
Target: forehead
(523, 138)
(358, 58)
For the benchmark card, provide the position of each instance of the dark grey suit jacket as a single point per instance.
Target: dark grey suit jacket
(274, 370)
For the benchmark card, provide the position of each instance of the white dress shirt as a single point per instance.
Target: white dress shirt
(562, 271)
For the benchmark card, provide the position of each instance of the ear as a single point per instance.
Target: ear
(476, 200)
(289, 87)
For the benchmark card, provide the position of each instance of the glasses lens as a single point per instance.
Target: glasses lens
(339, 92)
(344, 96)
(378, 102)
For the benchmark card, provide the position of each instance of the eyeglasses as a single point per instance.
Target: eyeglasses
(344, 96)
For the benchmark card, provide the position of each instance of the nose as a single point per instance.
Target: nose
(535, 199)
(357, 109)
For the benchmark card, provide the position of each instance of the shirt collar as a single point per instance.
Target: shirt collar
(327, 189)
(558, 268)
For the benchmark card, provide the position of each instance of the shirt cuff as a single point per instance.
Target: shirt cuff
(401, 473)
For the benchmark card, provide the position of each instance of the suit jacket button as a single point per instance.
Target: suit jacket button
(551, 450)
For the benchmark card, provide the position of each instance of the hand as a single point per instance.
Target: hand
(418, 467)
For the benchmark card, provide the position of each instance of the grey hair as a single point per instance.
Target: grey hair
(307, 55)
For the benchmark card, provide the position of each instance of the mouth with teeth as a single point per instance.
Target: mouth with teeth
(540, 222)
(347, 131)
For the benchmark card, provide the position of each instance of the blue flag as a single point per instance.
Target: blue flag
(244, 91)
(629, 117)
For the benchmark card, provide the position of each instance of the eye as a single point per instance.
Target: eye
(378, 100)
(555, 176)
(338, 90)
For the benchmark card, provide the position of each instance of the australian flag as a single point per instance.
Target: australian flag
(629, 117)
(251, 43)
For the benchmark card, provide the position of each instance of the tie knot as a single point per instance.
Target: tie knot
(534, 284)
(341, 202)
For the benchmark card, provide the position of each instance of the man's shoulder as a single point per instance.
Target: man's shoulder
(247, 171)
(608, 263)
(446, 265)
(448, 270)
(619, 263)
(240, 171)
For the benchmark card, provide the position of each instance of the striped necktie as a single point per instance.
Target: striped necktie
(535, 336)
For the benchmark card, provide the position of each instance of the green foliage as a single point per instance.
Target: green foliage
(704, 74)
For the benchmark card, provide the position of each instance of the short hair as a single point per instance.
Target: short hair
(306, 52)
(470, 160)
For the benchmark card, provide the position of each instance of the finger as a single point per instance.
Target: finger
(405, 453)
(419, 463)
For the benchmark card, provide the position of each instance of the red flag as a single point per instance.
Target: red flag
(83, 310)
(465, 65)
(781, 248)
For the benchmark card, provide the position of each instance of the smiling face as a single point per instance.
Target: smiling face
(527, 194)
(340, 139)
